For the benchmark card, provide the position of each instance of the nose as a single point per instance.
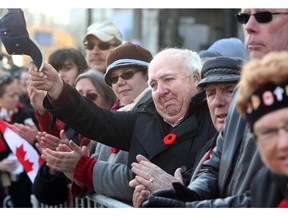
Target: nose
(251, 25)
(95, 49)
(283, 140)
(120, 81)
(220, 99)
(161, 89)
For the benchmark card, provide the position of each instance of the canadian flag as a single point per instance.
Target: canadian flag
(26, 154)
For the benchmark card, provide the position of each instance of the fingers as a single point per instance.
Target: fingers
(47, 140)
(138, 200)
(40, 147)
(63, 136)
(84, 150)
(64, 159)
(140, 157)
(139, 195)
(55, 160)
(178, 175)
(75, 147)
(63, 148)
(146, 169)
(140, 170)
(143, 181)
(133, 183)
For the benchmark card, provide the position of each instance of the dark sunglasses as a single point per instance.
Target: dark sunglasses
(89, 45)
(261, 17)
(126, 76)
(91, 96)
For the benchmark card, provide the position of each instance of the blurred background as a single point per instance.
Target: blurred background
(155, 29)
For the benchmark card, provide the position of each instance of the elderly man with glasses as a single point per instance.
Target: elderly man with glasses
(225, 178)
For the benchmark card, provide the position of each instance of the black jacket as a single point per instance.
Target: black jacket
(268, 189)
(140, 132)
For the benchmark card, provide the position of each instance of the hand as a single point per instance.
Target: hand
(150, 175)
(175, 197)
(162, 198)
(46, 80)
(139, 195)
(64, 159)
(7, 165)
(46, 140)
(36, 98)
(70, 175)
(27, 131)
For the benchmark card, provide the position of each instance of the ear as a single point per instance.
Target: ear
(196, 77)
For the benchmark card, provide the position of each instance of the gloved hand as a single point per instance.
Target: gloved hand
(158, 201)
(171, 197)
(183, 193)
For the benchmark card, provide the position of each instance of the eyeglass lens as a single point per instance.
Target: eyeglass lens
(126, 76)
(91, 96)
(89, 45)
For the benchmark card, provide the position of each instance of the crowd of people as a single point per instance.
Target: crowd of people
(181, 128)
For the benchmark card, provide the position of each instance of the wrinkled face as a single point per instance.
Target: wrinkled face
(172, 88)
(261, 38)
(10, 98)
(128, 84)
(218, 99)
(68, 72)
(271, 131)
(96, 53)
(87, 89)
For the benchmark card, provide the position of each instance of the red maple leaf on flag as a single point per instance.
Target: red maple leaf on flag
(20, 154)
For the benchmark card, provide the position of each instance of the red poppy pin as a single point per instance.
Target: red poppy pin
(169, 139)
(114, 150)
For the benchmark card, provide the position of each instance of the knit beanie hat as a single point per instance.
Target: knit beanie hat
(231, 47)
(127, 54)
(221, 69)
(208, 54)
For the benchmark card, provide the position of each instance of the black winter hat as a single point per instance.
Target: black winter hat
(221, 69)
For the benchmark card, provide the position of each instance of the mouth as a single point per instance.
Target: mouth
(124, 91)
(254, 45)
(95, 60)
(284, 160)
(221, 116)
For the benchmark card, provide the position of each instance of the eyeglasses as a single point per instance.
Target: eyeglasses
(89, 45)
(91, 96)
(270, 135)
(126, 76)
(261, 17)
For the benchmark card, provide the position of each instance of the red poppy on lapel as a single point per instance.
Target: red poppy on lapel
(169, 139)
(114, 150)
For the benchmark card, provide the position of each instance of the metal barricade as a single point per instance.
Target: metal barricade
(90, 201)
